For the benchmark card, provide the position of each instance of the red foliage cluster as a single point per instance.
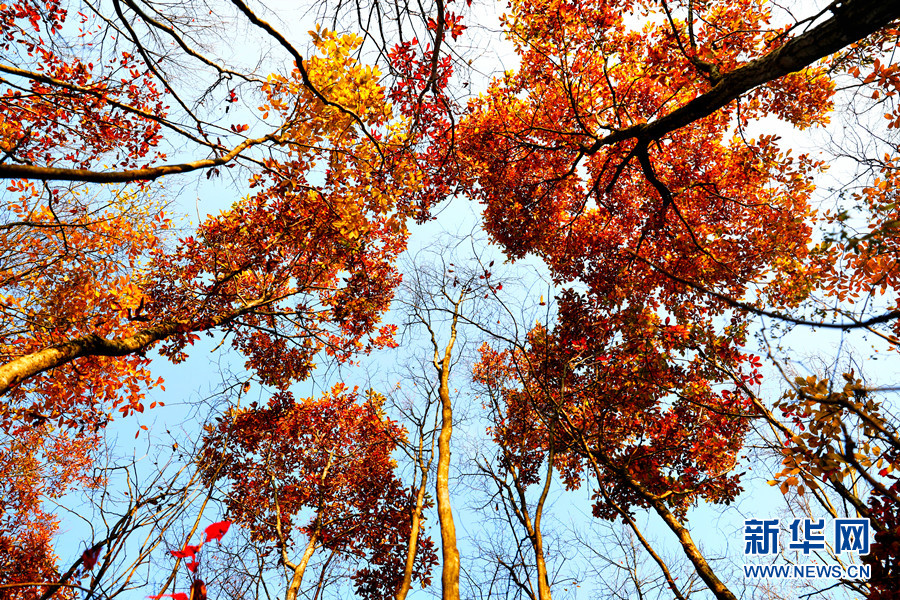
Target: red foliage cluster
(77, 109)
(642, 363)
(884, 554)
(331, 455)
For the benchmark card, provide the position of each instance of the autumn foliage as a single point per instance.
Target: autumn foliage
(318, 473)
(633, 440)
(635, 152)
(642, 371)
(34, 467)
(77, 110)
(93, 279)
(655, 231)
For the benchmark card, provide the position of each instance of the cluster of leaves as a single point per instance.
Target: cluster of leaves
(642, 367)
(330, 455)
(35, 466)
(845, 440)
(858, 267)
(419, 96)
(615, 418)
(841, 433)
(73, 267)
(64, 107)
(884, 555)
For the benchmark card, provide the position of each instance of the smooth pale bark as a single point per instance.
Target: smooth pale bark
(300, 568)
(449, 550)
(701, 566)
(413, 539)
(532, 527)
(450, 570)
(538, 538)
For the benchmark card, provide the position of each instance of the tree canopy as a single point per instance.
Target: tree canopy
(675, 194)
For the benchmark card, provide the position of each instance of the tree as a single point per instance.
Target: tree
(522, 454)
(73, 102)
(383, 166)
(628, 152)
(609, 154)
(839, 446)
(239, 263)
(640, 452)
(67, 110)
(618, 170)
(35, 465)
(512, 482)
(431, 308)
(92, 280)
(444, 286)
(331, 455)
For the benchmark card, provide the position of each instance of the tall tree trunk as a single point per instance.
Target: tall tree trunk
(670, 581)
(413, 538)
(532, 526)
(300, 567)
(703, 568)
(537, 536)
(449, 550)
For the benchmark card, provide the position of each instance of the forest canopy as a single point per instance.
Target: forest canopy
(662, 352)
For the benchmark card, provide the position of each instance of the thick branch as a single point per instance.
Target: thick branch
(13, 171)
(851, 21)
(31, 365)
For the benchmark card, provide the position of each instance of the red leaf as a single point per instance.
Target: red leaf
(90, 557)
(188, 552)
(217, 530)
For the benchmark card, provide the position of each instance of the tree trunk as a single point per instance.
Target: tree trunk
(413, 539)
(533, 527)
(300, 567)
(706, 573)
(538, 538)
(704, 570)
(449, 550)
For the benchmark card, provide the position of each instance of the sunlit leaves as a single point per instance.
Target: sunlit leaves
(837, 434)
(643, 371)
(64, 109)
(331, 456)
